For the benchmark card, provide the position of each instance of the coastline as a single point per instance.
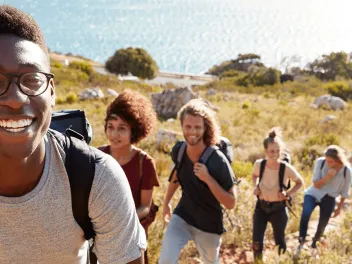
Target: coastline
(163, 77)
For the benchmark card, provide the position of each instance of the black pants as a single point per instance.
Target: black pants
(276, 214)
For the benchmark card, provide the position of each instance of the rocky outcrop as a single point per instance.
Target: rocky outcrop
(169, 102)
(335, 103)
(165, 139)
(112, 92)
(91, 93)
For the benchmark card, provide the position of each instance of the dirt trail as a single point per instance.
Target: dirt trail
(242, 255)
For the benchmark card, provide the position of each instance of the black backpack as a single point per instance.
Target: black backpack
(224, 146)
(72, 122)
(73, 134)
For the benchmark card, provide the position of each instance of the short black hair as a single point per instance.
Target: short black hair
(16, 22)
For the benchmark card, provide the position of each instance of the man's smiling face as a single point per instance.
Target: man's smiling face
(24, 120)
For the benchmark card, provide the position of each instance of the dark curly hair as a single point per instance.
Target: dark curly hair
(136, 110)
(16, 22)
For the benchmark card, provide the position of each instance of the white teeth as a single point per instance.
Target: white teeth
(15, 129)
(16, 126)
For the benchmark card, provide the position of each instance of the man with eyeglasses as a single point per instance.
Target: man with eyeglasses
(36, 220)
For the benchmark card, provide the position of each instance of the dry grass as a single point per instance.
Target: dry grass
(246, 127)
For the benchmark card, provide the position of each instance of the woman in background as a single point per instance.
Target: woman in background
(271, 177)
(129, 119)
(331, 178)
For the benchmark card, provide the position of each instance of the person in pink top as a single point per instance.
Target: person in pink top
(271, 179)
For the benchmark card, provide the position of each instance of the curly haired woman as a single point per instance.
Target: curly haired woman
(129, 119)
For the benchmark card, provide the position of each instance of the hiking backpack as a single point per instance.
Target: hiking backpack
(80, 164)
(281, 175)
(224, 146)
(72, 131)
(73, 123)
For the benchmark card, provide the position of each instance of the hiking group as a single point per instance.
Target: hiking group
(62, 201)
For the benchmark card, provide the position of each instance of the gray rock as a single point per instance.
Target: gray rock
(91, 93)
(169, 102)
(334, 102)
(165, 139)
(328, 118)
(211, 92)
(112, 92)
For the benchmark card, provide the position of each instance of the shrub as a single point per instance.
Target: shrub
(83, 66)
(60, 100)
(341, 89)
(246, 105)
(136, 61)
(71, 98)
(323, 140)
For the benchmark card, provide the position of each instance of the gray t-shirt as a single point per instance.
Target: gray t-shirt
(39, 227)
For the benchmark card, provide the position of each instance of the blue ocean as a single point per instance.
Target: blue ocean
(190, 36)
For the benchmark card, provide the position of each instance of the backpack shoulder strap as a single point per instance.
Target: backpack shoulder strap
(207, 153)
(80, 166)
(180, 152)
(261, 170)
(322, 164)
(282, 176)
(344, 172)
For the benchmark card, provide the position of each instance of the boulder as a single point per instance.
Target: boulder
(91, 93)
(211, 92)
(334, 102)
(328, 118)
(165, 139)
(112, 92)
(169, 102)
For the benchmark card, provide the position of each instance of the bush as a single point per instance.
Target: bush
(323, 140)
(242, 169)
(136, 61)
(60, 100)
(83, 66)
(246, 105)
(264, 76)
(341, 89)
(71, 98)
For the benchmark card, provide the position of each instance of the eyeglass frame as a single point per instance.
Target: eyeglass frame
(10, 78)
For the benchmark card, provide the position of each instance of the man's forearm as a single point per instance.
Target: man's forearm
(223, 197)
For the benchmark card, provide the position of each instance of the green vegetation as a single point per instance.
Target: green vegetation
(136, 61)
(246, 116)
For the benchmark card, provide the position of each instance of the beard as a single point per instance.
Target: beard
(193, 141)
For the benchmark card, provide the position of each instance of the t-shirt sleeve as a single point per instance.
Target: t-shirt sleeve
(119, 235)
(223, 173)
(174, 151)
(347, 185)
(149, 174)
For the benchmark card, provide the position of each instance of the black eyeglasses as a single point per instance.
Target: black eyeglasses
(30, 83)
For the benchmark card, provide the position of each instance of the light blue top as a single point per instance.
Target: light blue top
(338, 185)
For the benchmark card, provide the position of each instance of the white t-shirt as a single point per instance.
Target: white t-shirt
(39, 227)
(269, 184)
